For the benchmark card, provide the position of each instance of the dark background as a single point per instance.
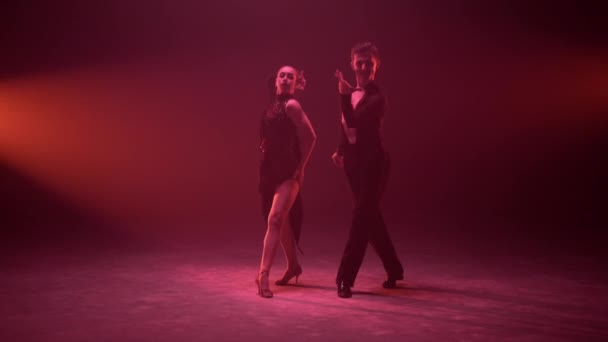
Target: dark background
(135, 118)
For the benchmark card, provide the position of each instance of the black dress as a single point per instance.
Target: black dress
(281, 155)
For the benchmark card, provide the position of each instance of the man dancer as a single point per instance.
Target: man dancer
(366, 163)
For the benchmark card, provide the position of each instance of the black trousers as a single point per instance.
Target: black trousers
(367, 177)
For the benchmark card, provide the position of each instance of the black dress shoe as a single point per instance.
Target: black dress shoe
(344, 290)
(391, 282)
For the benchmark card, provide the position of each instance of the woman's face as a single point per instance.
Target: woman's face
(286, 80)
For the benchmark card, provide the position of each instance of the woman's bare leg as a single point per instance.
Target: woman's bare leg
(289, 246)
(283, 200)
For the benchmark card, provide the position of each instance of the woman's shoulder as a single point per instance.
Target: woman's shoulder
(293, 105)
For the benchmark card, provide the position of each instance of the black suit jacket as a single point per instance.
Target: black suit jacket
(368, 119)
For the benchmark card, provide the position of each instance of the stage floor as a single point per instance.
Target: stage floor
(202, 289)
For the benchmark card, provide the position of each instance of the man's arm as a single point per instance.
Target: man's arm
(343, 142)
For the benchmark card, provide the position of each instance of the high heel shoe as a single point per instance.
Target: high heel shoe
(259, 280)
(290, 273)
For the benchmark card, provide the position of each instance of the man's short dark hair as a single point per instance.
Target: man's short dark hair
(366, 47)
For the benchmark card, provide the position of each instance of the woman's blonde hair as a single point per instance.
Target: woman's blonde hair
(300, 80)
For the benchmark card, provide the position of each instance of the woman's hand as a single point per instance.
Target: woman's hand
(299, 176)
(337, 159)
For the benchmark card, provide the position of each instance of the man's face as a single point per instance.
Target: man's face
(364, 65)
